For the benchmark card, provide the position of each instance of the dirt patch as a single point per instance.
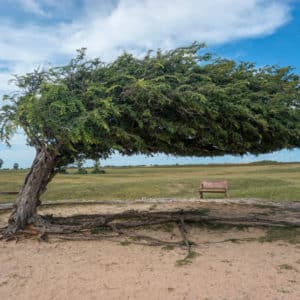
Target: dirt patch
(108, 270)
(227, 263)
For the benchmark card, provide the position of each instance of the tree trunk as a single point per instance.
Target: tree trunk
(40, 174)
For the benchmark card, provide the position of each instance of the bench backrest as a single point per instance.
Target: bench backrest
(9, 193)
(222, 185)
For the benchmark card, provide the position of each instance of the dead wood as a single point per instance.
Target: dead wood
(89, 226)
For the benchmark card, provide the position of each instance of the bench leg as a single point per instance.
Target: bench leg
(227, 194)
(201, 195)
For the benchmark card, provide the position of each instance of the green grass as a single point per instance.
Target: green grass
(286, 234)
(276, 182)
(187, 260)
(287, 267)
(125, 243)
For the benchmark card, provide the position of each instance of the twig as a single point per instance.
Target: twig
(182, 229)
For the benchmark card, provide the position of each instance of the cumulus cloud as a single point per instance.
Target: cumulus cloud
(108, 27)
(41, 7)
(32, 6)
(136, 25)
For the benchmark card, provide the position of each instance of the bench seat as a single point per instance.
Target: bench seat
(220, 186)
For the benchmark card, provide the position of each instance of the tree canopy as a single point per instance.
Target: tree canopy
(179, 102)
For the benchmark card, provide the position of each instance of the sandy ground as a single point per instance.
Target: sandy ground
(116, 270)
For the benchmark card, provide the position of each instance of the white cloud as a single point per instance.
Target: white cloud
(32, 6)
(4, 86)
(136, 25)
(108, 27)
(30, 44)
(17, 153)
(47, 8)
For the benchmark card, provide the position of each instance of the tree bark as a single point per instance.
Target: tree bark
(40, 174)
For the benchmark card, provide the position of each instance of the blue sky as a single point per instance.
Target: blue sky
(39, 32)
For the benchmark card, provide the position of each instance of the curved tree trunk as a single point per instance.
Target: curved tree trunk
(40, 174)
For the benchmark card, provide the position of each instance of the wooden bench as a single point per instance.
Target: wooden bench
(9, 193)
(213, 187)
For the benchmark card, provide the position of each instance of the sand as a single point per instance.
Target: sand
(105, 269)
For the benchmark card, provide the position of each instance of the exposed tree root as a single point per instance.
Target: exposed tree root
(134, 219)
(183, 232)
(136, 239)
(119, 226)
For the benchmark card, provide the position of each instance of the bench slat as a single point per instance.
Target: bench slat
(220, 186)
(9, 193)
(212, 191)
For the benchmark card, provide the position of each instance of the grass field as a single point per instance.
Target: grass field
(276, 182)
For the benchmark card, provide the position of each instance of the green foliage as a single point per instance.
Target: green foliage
(82, 171)
(187, 260)
(287, 267)
(125, 243)
(79, 163)
(16, 166)
(177, 102)
(97, 169)
(62, 170)
(1, 163)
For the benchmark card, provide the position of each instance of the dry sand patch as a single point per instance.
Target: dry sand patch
(231, 264)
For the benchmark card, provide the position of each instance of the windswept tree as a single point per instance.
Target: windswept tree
(178, 102)
(1, 163)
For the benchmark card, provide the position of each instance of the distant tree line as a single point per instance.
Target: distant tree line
(15, 165)
(97, 169)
